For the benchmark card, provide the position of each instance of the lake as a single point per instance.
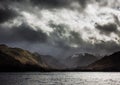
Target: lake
(60, 78)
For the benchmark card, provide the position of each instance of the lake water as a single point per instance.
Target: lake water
(60, 78)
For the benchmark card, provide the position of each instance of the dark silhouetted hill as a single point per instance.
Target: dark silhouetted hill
(16, 59)
(107, 63)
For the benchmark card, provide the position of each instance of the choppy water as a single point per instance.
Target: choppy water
(60, 78)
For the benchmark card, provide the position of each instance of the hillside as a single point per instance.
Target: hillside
(16, 59)
(107, 63)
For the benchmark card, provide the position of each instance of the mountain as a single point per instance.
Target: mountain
(50, 61)
(107, 63)
(80, 60)
(16, 59)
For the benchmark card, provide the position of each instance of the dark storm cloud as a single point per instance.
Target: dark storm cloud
(75, 37)
(27, 33)
(51, 3)
(82, 2)
(57, 3)
(60, 38)
(47, 4)
(23, 33)
(58, 35)
(107, 28)
(6, 14)
(8, 1)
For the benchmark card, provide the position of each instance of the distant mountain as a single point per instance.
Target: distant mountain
(80, 60)
(50, 61)
(107, 63)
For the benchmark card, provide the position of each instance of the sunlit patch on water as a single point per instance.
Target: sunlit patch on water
(60, 78)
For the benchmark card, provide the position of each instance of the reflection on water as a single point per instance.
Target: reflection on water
(60, 78)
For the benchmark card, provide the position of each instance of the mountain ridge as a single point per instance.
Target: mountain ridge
(19, 60)
(107, 63)
(22, 60)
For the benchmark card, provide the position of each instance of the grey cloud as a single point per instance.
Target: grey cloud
(107, 28)
(103, 48)
(102, 3)
(46, 4)
(75, 38)
(57, 35)
(116, 20)
(51, 3)
(57, 3)
(107, 47)
(41, 3)
(60, 38)
(82, 2)
(23, 33)
(6, 14)
(109, 3)
(8, 1)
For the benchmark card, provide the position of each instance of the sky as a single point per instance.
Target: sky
(61, 27)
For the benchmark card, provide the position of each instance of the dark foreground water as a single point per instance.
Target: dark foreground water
(60, 78)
